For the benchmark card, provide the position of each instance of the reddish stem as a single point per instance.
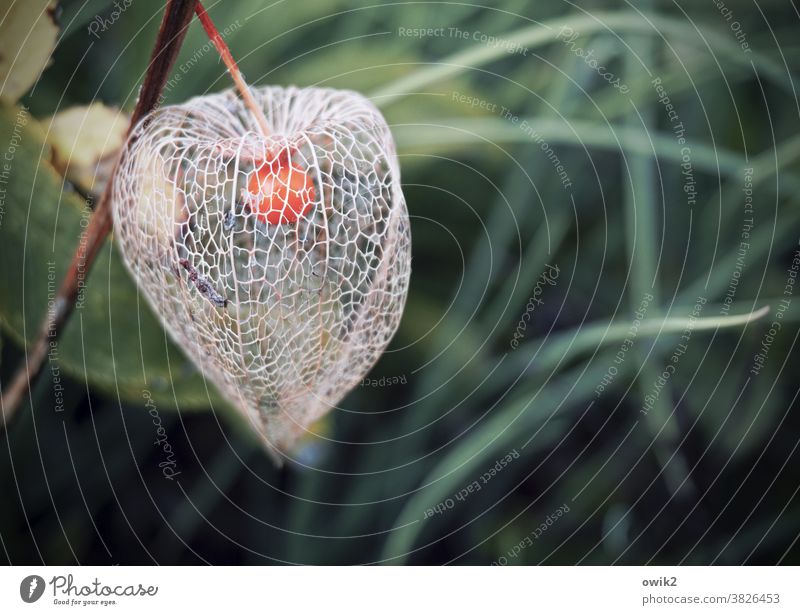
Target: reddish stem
(233, 68)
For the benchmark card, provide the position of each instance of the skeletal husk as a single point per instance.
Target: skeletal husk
(284, 318)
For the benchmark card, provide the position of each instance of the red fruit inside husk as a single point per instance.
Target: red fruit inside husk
(281, 190)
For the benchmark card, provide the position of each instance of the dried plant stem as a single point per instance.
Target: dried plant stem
(233, 68)
(174, 25)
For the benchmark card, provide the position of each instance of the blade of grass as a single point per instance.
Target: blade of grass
(544, 33)
(514, 292)
(643, 240)
(460, 131)
(765, 166)
(565, 346)
(501, 431)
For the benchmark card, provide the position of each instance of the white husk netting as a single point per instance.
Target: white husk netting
(280, 264)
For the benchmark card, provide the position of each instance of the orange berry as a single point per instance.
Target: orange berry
(282, 191)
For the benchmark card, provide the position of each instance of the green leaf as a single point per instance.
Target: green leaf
(113, 341)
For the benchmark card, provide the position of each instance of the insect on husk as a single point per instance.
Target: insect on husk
(228, 221)
(203, 286)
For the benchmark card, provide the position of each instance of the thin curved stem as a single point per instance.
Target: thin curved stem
(233, 68)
